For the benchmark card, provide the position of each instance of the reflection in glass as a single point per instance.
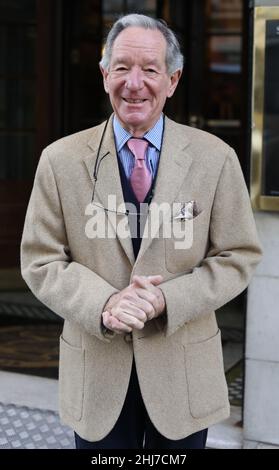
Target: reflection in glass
(225, 54)
(223, 61)
(224, 16)
(224, 79)
(223, 101)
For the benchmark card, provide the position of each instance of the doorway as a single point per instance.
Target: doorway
(28, 330)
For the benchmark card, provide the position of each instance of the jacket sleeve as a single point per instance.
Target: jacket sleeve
(68, 288)
(234, 251)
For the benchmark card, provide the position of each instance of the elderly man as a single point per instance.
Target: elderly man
(140, 355)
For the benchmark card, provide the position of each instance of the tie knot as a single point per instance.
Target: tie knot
(138, 147)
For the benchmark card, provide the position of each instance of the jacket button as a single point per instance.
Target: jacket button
(128, 337)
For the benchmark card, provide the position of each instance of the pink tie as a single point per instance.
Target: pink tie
(141, 178)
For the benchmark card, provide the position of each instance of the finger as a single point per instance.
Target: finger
(114, 324)
(105, 318)
(143, 300)
(138, 308)
(107, 321)
(131, 306)
(142, 281)
(156, 279)
(147, 281)
(130, 320)
(151, 301)
(118, 326)
(141, 307)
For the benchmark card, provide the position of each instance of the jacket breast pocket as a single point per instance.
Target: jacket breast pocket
(184, 243)
(207, 387)
(71, 379)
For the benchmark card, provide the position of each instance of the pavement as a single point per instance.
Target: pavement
(29, 414)
(29, 417)
(31, 428)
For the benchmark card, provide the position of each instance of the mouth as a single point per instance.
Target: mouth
(137, 101)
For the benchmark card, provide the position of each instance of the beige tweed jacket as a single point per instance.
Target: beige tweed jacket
(179, 361)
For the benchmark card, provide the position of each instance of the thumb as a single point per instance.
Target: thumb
(154, 280)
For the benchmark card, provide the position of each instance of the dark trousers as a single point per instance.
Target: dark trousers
(134, 430)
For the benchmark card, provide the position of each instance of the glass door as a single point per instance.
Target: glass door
(28, 330)
(223, 107)
(217, 98)
(17, 121)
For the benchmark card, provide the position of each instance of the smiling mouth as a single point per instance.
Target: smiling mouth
(130, 101)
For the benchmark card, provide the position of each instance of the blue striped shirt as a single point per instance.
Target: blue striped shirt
(154, 137)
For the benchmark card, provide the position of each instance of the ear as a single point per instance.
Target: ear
(174, 79)
(105, 74)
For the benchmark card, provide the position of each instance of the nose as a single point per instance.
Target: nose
(134, 79)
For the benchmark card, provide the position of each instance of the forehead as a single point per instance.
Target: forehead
(140, 41)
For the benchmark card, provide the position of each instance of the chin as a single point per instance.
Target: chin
(136, 120)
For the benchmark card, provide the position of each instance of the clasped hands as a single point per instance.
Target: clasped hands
(132, 307)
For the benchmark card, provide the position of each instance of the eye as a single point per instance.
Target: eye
(151, 71)
(120, 69)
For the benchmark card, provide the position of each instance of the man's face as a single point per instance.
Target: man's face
(137, 80)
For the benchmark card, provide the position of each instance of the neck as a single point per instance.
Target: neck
(137, 132)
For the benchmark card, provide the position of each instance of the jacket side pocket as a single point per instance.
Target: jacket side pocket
(205, 375)
(71, 378)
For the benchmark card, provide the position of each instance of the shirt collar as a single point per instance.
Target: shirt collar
(154, 135)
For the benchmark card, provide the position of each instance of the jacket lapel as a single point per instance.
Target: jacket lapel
(109, 184)
(174, 166)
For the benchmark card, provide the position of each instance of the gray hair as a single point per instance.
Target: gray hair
(174, 57)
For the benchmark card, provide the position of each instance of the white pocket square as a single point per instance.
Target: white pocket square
(188, 211)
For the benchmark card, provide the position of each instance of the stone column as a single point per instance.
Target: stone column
(261, 399)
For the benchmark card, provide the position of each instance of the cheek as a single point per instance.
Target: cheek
(166, 89)
(116, 92)
(162, 96)
(162, 92)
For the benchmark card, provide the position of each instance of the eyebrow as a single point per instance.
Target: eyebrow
(152, 62)
(122, 59)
